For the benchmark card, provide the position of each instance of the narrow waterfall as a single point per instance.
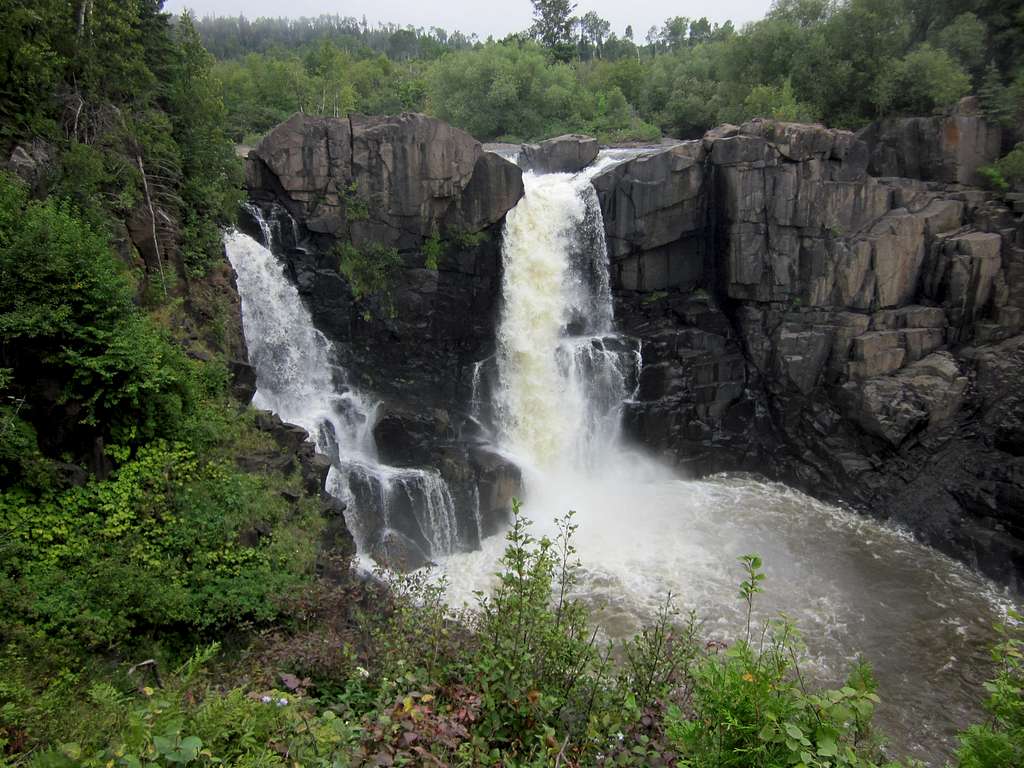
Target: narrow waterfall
(563, 373)
(298, 378)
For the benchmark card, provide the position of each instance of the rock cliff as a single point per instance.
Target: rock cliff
(856, 335)
(417, 205)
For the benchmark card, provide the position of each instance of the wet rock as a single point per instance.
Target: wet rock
(563, 154)
(397, 552)
(266, 463)
(243, 380)
(653, 209)
(498, 482)
(405, 436)
(314, 473)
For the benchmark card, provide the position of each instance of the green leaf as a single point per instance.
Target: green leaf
(793, 730)
(827, 745)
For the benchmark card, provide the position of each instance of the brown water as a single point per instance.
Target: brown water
(854, 587)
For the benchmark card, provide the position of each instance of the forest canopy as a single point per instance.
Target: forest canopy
(841, 62)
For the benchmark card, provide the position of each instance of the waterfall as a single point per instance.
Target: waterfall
(299, 380)
(563, 372)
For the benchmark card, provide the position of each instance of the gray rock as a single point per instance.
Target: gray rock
(949, 149)
(563, 154)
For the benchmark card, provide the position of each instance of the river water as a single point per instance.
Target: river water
(854, 587)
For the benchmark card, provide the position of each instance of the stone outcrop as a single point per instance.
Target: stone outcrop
(422, 195)
(382, 180)
(562, 154)
(948, 148)
(806, 310)
(407, 184)
(803, 319)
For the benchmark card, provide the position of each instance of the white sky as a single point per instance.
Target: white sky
(484, 18)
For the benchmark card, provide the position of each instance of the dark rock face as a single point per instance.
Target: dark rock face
(391, 183)
(426, 192)
(950, 148)
(563, 154)
(857, 337)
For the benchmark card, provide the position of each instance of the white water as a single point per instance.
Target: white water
(853, 586)
(299, 380)
(552, 396)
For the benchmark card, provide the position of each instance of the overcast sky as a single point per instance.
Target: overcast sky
(485, 17)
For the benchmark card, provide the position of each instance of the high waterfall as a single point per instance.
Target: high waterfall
(551, 399)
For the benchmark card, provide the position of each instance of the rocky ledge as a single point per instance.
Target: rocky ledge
(857, 336)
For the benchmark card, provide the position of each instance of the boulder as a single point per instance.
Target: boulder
(386, 180)
(563, 154)
(397, 552)
(924, 395)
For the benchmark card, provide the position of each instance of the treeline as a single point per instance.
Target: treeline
(842, 62)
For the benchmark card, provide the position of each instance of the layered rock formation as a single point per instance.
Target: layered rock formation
(948, 148)
(857, 336)
(563, 154)
(419, 206)
(838, 331)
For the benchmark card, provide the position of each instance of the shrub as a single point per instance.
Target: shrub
(999, 742)
(922, 81)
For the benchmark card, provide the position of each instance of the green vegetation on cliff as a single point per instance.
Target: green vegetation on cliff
(843, 62)
(129, 535)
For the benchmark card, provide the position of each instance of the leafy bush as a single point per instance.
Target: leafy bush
(522, 681)
(370, 271)
(166, 545)
(923, 80)
(1007, 172)
(999, 742)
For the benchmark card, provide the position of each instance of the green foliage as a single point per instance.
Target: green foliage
(807, 60)
(778, 103)
(433, 250)
(32, 66)
(370, 272)
(155, 547)
(999, 742)
(1008, 171)
(965, 40)
(69, 318)
(520, 681)
(923, 80)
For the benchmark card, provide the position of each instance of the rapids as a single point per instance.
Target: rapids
(550, 398)
(853, 586)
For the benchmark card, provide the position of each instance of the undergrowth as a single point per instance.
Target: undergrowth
(382, 672)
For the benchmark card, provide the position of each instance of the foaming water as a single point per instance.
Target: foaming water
(298, 379)
(854, 587)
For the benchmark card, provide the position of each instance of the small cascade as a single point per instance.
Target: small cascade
(298, 379)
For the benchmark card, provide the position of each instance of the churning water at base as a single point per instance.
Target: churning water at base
(853, 586)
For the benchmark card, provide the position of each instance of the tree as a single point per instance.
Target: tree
(552, 24)
(778, 103)
(964, 40)
(674, 32)
(595, 29)
(923, 80)
(700, 31)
